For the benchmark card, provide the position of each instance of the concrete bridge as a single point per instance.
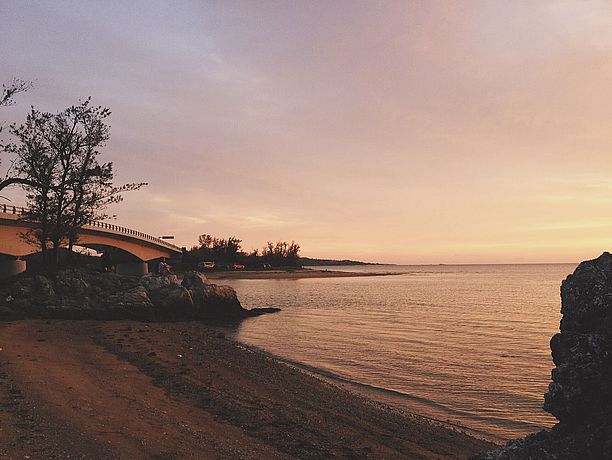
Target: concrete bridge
(131, 249)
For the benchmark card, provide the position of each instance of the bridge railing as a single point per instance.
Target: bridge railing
(19, 210)
(12, 209)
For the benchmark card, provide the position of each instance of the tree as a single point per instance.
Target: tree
(224, 251)
(57, 154)
(6, 99)
(14, 87)
(281, 253)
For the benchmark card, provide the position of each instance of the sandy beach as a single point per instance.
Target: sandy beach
(122, 389)
(287, 274)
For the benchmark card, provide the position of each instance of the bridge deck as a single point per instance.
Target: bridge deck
(14, 213)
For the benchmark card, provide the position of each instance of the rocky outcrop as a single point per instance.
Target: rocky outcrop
(580, 394)
(212, 301)
(81, 294)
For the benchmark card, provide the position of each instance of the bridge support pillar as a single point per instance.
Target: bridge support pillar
(132, 268)
(10, 268)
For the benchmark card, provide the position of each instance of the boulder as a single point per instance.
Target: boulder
(71, 282)
(580, 394)
(172, 301)
(212, 301)
(193, 279)
(219, 302)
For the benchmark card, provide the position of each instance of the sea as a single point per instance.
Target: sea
(464, 344)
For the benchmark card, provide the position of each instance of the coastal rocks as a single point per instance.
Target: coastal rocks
(580, 394)
(82, 294)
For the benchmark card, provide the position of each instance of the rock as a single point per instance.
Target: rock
(581, 390)
(70, 282)
(172, 302)
(136, 297)
(44, 287)
(37, 287)
(212, 301)
(580, 394)
(152, 281)
(193, 279)
(218, 303)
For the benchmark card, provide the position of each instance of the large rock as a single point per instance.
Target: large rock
(212, 301)
(193, 279)
(580, 394)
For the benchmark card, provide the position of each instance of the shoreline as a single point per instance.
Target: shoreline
(288, 274)
(188, 390)
(402, 402)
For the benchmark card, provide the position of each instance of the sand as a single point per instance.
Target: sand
(122, 389)
(287, 274)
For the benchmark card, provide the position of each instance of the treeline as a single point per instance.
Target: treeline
(228, 251)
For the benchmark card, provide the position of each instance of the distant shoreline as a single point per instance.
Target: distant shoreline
(287, 274)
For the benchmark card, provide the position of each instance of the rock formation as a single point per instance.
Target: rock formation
(580, 394)
(82, 294)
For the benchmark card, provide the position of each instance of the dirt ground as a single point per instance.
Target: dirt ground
(86, 389)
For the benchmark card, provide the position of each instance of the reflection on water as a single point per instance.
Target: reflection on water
(465, 343)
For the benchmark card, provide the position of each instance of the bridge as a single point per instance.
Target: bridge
(131, 249)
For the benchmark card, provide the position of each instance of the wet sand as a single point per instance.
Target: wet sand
(287, 274)
(122, 389)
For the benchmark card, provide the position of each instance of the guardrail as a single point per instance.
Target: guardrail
(19, 210)
(12, 209)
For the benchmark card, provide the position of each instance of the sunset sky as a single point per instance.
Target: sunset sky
(405, 132)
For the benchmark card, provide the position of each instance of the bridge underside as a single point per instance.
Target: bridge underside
(130, 253)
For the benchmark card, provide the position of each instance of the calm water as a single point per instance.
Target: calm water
(469, 344)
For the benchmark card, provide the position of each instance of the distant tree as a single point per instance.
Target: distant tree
(293, 253)
(219, 249)
(226, 251)
(281, 253)
(206, 241)
(57, 154)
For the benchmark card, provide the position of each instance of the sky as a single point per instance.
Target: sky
(400, 132)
